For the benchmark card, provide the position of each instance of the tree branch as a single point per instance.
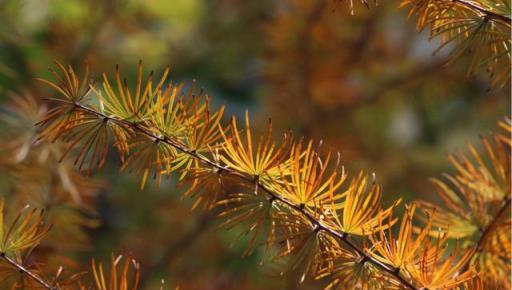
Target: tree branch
(485, 233)
(489, 14)
(22, 269)
(317, 224)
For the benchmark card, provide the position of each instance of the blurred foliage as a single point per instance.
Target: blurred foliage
(367, 84)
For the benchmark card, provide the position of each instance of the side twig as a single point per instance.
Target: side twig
(22, 269)
(486, 232)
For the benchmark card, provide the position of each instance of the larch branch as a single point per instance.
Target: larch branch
(488, 229)
(485, 12)
(22, 269)
(317, 224)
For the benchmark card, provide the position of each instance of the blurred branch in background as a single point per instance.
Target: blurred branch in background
(179, 247)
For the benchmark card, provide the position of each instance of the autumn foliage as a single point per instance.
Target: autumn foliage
(285, 193)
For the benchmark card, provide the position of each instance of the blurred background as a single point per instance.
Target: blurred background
(366, 84)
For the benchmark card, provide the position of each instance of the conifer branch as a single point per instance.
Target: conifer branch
(488, 230)
(478, 28)
(317, 224)
(485, 12)
(505, 204)
(158, 131)
(23, 270)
